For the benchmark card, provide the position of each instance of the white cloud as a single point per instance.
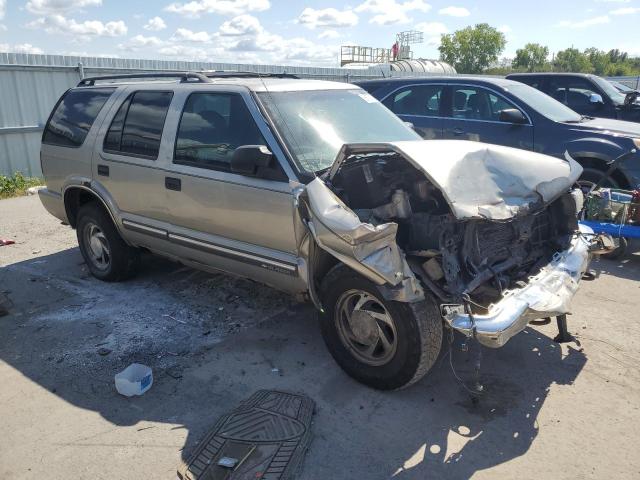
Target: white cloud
(390, 12)
(625, 11)
(431, 29)
(46, 7)
(197, 8)
(505, 29)
(140, 41)
(155, 24)
(184, 52)
(584, 23)
(241, 25)
(328, 17)
(3, 8)
(20, 48)
(329, 34)
(454, 11)
(186, 35)
(62, 25)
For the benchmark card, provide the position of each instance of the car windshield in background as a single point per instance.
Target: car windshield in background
(315, 124)
(544, 104)
(611, 91)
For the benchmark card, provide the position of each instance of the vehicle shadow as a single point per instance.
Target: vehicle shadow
(627, 267)
(203, 369)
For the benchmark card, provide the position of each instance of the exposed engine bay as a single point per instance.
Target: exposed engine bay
(470, 258)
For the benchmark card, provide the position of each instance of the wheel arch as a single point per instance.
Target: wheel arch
(600, 162)
(75, 196)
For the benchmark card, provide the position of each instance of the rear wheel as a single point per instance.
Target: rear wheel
(106, 254)
(384, 344)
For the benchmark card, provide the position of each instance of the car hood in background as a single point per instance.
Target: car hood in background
(480, 180)
(611, 126)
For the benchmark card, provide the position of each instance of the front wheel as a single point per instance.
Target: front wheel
(592, 176)
(384, 344)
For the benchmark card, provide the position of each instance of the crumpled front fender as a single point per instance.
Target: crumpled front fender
(369, 249)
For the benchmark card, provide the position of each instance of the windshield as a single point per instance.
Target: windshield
(544, 104)
(611, 91)
(621, 87)
(315, 124)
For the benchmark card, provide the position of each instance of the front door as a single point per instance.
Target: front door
(241, 224)
(475, 115)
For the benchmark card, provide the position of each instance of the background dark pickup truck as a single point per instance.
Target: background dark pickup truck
(586, 94)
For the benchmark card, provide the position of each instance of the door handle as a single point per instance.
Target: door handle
(103, 170)
(458, 131)
(171, 183)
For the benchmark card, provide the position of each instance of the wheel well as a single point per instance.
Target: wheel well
(598, 164)
(74, 198)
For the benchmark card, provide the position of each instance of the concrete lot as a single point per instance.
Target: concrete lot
(549, 411)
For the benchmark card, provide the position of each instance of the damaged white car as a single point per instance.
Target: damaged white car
(317, 189)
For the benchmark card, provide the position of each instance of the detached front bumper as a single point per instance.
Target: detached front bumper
(547, 294)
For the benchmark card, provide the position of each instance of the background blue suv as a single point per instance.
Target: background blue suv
(505, 112)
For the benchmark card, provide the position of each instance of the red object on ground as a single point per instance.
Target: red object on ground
(6, 242)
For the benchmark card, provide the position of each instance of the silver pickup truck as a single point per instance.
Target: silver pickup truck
(317, 189)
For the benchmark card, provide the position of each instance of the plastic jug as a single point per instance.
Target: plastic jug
(136, 379)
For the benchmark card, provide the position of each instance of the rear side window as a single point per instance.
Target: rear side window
(74, 115)
(137, 127)
(416, 100)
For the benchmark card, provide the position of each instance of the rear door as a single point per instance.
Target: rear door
(421, 105)
(475, 115)
(127, 163)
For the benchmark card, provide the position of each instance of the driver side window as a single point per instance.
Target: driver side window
(212, 126)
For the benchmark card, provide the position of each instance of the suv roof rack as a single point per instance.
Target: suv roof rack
(244, 74)
(199, 77)
(183, 76)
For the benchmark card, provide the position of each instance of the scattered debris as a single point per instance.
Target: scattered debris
(36, 252)
(5, 242)
(136, 379)
(104, 351)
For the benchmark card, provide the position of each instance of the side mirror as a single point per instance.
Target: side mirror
(512, 115)
(630, 98)
(247, 159)
(596, 98)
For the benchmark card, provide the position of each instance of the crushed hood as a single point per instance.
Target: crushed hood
(480, 180)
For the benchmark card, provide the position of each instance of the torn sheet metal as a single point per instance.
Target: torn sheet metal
(368, 249)
(547, 294)
(480, 180)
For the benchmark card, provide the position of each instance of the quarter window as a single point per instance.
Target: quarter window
(74, 115)
(137, 127)
(421, 100)
(212, 126)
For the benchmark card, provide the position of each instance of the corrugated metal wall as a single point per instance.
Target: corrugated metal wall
(30, 85)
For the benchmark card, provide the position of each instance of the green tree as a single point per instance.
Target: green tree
(600, 61)
(572, 60)
(472, 49)
(532, 57)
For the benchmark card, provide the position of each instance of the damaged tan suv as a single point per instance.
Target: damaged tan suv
(317, 189)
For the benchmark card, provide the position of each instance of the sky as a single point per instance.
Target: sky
(300, 32)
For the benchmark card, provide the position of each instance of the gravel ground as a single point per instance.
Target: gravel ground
(549, 411)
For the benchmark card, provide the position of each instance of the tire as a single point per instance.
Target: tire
(591, 176)
(416, 333)
(106, 254)
(620, 250)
